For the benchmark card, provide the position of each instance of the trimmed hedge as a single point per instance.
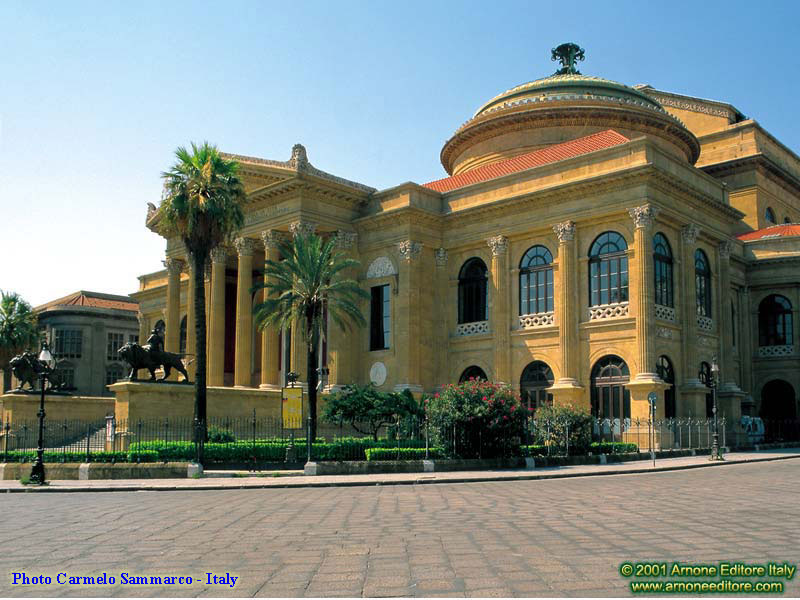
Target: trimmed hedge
(80, 457)
(402, 453)
(535, 450)
(271, 450)
(612, 448)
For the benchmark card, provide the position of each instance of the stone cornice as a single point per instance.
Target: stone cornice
(762, 163)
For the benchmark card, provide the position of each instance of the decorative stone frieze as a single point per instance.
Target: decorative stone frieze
(706, 341)
(344, 240)
(272, 238)
(704, 323)
(665, 313)
(725, 249)
(245, 246)
(664, 332)
(381, 267)
(305, 228)
(608, 311)
(565, 232)
(775, 351)
(174, 266)
(219, 254)
(409, 250)
(441, 257)
(643, 216)
(473, 328)
(498, 244)
(689, 233)
(532, 321)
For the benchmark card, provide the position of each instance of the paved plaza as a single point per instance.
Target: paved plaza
(560, 537)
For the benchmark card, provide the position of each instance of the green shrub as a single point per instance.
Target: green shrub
(476, 419)
(367, 409)
(218, 435)
(402, 453)
(554, 425)
(612, 447)
(533, 450)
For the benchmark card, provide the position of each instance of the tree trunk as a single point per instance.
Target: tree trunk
(200, 401)
(313, 377)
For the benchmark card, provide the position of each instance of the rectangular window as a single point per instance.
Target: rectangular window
(133, 338)
(379, 318)
(68, 343)
(115, 342)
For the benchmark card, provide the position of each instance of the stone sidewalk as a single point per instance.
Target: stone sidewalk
(270, 480)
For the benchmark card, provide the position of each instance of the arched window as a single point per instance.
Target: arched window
(533, 384)
(769, 215)
(182, 343)
(706, 377)
(536, 281)
(608, 269)
(667, 375)
(472, 372)
(472, 291)
(702, 283)
(662, 259)
(610, 398)
(775, 321)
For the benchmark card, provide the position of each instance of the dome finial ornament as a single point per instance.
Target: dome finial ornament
(568, 55)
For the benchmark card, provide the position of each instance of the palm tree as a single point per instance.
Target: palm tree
(202, 206)
(299, 288)
(18, 331)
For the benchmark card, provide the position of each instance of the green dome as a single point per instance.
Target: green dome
(570, 87)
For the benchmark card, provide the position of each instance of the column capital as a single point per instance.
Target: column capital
(725, 249)
(498, 244)
(174, 266)
(219, 254)
(207, 273)
(302, 227)
(565, 232)
(643, 216)
(272, 238)
(441, 257)
(245, 246)
(690, 232)
(409, 250)
(344, 240)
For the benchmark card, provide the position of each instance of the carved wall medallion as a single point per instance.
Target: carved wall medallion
(345, 240)
(409, 250)
(377, 373)
(441, 257)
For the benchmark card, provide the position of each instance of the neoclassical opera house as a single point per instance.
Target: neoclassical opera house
(592, 242)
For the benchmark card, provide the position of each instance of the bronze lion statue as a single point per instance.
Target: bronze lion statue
(27, 368)
(140, 357)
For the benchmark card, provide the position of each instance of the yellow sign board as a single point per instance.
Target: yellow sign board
(292, 408)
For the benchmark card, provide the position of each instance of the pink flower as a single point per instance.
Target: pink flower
(505, 417)
(436, 395)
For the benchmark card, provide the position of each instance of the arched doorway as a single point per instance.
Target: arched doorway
(472, 372)
(667, 375)
(610, 398)
(779, 410)
(536, 378)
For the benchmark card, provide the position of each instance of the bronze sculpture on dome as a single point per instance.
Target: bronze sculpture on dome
(568, 55)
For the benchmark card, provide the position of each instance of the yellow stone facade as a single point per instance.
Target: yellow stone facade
(696, 171)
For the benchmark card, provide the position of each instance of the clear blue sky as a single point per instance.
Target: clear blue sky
(96, 96)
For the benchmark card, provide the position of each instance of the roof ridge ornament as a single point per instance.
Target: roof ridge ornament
(568, 55)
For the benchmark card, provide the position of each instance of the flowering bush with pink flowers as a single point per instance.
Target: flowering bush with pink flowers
(476, 419)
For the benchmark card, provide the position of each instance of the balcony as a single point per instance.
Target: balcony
(775, 351)
(536, 320)
(704, 323)
(608, 311)
(666, 313)
(474, 328)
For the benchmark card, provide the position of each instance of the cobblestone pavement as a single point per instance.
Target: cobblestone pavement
(561, 537)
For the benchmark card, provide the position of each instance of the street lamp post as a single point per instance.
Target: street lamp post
(715, 454)
(47, 364)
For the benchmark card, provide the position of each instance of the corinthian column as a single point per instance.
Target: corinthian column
(692, 400)
(216, 345)
(499, 306)
(269, 335)
(174, 267)
(567, 389)
(407, 335)
(340, 343)
(643, 217)
(244, 312)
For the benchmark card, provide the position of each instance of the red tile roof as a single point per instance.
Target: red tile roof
(570, 149)
(93, 299)
(786, 230)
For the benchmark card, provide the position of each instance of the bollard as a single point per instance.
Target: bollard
(308, 440)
